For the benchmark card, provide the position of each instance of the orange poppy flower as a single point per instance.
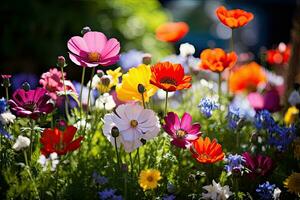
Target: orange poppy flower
(247, 78)
(234, 18)
(217, 60)
(207, 151)
(172, 31)
(169, 77)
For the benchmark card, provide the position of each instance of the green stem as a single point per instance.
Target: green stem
(125, 185)
(166, 103)
(80, 95)
(56, 181)
(237, 140)
(236, 188)
(117, 153)
(65, 91)
(131, 164)
(6, 92)
(143, 100)
(88, 100)
(220, 86)
(30, 176)
(31, 137)
(139, 160)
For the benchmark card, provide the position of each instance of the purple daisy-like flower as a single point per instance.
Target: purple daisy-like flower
(31, 103)
(183, 132)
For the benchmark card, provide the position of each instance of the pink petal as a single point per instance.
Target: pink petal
(256, 100)
(111, 49)
(79, 61)
(195, 128)
(191, 137)
(186, 121)
(173, 119)
(95, 41)
(109, 61)
(77, 44)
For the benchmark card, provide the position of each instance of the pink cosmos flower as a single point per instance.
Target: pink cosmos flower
(182, 132)
(52, 81)
(32, 103)
(258, 165)
(93, 49)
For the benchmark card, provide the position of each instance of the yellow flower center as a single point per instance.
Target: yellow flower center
(168, 80)
(94, 56)
(150, 178)
(180, 133)
(133, 123)
(204, 156)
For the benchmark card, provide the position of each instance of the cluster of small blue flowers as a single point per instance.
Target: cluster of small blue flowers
(206, 106)
(101, 180)
(130, 59)
(109, 194)
(233, 117)
(265, 191)
(3, 108)
(235, 164)
(278, 136)
(3, 105)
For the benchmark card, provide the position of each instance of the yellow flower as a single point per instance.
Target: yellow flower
(291, 115)
(128, 89)
(149, 179)
(115, 74)
(292, 183)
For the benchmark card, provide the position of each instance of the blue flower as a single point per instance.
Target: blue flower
(169, 197)
(264, 120)
(117, 197)
(206, 106)
(281, 137)
(265, 191)
(3, 105)
(107, 194)
(100, 179)
(5, 133)
(235, 163)
(130, 59)
(233, 117)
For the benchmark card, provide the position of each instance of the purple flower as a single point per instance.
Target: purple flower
(32, 103)
(130, 59)
(264, 120)
(235, 164)
(169, 197)
(281, 137)
(5, 133)
(99, 179)
(269, 101)
(19, 79)
(233, 117)
(183, 132)
(258, 165)
(107, 194)
(266, 191)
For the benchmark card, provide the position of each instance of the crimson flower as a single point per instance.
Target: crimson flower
(59, 141)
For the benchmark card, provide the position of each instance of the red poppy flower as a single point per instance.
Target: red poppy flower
(280, 55)
(172, 31)
(233, 18)
(169, 77)
(217, 60)
(207, 151)
(59, 141)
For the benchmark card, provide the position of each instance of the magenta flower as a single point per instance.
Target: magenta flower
(93, 49)
(258, 165)
(270, 100)
(182, 132)
(52, 81)
(32, 103)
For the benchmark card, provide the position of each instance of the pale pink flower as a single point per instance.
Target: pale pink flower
(93, 49)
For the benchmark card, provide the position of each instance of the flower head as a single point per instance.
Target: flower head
(21, 143)
(7, 117)
(105, 101)
(102, 180)
(207, 151)
(281, 137)
(247, 78)
(233, 117)
(149, 178)
(216, 191)
(183, 132)
(270, 100)
(186, 49)
(292, 183)
(207, 106)
(217, 60)
(280, 55)
(137, 77)
(132, 58)
(5, 133)
(233, 18)
(3, 105)
(169, 77)
(265, 191)
(264, 120)
(52, 160)
(235, 164)
(55, 140)
(93, 49)
(171, 31)
(32, 103)
(135, 125)
(258, 165)
(107, 194)
(291, 115)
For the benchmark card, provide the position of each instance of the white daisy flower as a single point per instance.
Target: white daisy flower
(216, 191)
(7, 117)
(136, 125)
(105, 101)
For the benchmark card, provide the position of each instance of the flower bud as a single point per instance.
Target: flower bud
(26, 86)
(85, 30)
(105, 80)
(100, 73)
(61, 62)
(115, 132)
(143, 141)
(61, 124)
(141, 88)
(147, 59)
(6, 81)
